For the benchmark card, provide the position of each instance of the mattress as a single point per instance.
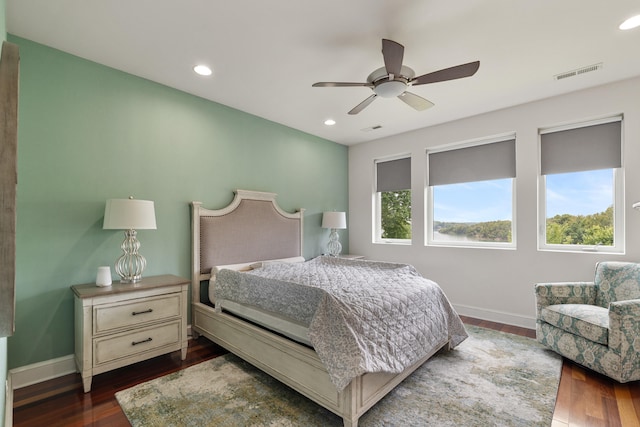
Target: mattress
(244, 267)
(268, 319)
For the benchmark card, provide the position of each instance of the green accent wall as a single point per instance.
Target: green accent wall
(88, 133)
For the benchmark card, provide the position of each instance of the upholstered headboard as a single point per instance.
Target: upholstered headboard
(251, 228)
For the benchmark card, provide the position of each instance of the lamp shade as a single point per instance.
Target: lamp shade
(334, 220)
(129, 214)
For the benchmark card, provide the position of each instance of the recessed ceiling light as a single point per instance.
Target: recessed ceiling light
(630, 23)
(329, 122)
(203, 70)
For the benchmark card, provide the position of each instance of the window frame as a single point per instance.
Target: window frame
(377, 205)
(618, 246)
(429, 198)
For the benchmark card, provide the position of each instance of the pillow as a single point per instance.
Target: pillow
(247, 266)
(260, 264)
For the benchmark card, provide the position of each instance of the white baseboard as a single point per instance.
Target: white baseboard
(496, 316)
(8, 403)
(42, 371)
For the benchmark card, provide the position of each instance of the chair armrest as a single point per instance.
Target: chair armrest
(564, 293)
(624, 327)
(629, 308)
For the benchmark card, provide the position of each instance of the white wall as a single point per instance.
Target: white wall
(496, 284)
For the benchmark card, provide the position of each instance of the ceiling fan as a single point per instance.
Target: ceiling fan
(394, 79)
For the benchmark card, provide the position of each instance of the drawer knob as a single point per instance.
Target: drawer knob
(142, 342)
(135, 313)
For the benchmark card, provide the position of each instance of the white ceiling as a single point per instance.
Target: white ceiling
(267, 54)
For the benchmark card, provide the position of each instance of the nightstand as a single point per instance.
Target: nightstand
(123, 324)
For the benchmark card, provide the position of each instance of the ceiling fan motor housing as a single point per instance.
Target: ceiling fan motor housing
(388, 85)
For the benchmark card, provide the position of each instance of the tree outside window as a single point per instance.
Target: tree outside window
(393, 201)
(396, 214)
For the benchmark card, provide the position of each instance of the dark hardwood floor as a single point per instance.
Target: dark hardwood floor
(62, 401)
(584, 397)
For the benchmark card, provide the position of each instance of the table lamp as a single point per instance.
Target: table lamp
(334, 221)
(129, 215)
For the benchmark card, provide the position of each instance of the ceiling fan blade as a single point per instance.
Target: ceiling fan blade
(457, 72)
(340, 84)
(415, 101)
(363, 104)
(393, 54)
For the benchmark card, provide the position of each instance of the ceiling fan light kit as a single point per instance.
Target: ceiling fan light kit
(393, 80)
(390, 88)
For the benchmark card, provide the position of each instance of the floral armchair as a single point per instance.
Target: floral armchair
(595, 324)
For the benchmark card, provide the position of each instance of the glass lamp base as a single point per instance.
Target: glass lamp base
(334, 247)
(131, 264)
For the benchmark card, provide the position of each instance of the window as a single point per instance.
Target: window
(581, 187)
(471, 192)
(393, 201)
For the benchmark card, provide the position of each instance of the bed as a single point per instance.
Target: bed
(253, 237)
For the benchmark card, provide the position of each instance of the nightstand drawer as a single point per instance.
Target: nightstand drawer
(135, 312)
(119, 346)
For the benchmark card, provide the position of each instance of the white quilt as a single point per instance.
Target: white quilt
(363, 316)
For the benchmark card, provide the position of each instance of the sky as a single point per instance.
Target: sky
(577, 193)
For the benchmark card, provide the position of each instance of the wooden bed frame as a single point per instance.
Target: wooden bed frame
(254, 228)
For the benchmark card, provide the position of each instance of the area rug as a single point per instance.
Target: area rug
(491, 379)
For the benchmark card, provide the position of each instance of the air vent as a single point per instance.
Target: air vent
(376, 127)
(573, 73)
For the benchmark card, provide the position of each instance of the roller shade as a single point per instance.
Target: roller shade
(581, 149)
(496, 160)
(393, 175)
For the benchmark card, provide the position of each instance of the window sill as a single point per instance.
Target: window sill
(583, 250)
(393, 242)
(509, 247)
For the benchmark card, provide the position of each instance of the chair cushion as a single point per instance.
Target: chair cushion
(617, 281)
(588, 321)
